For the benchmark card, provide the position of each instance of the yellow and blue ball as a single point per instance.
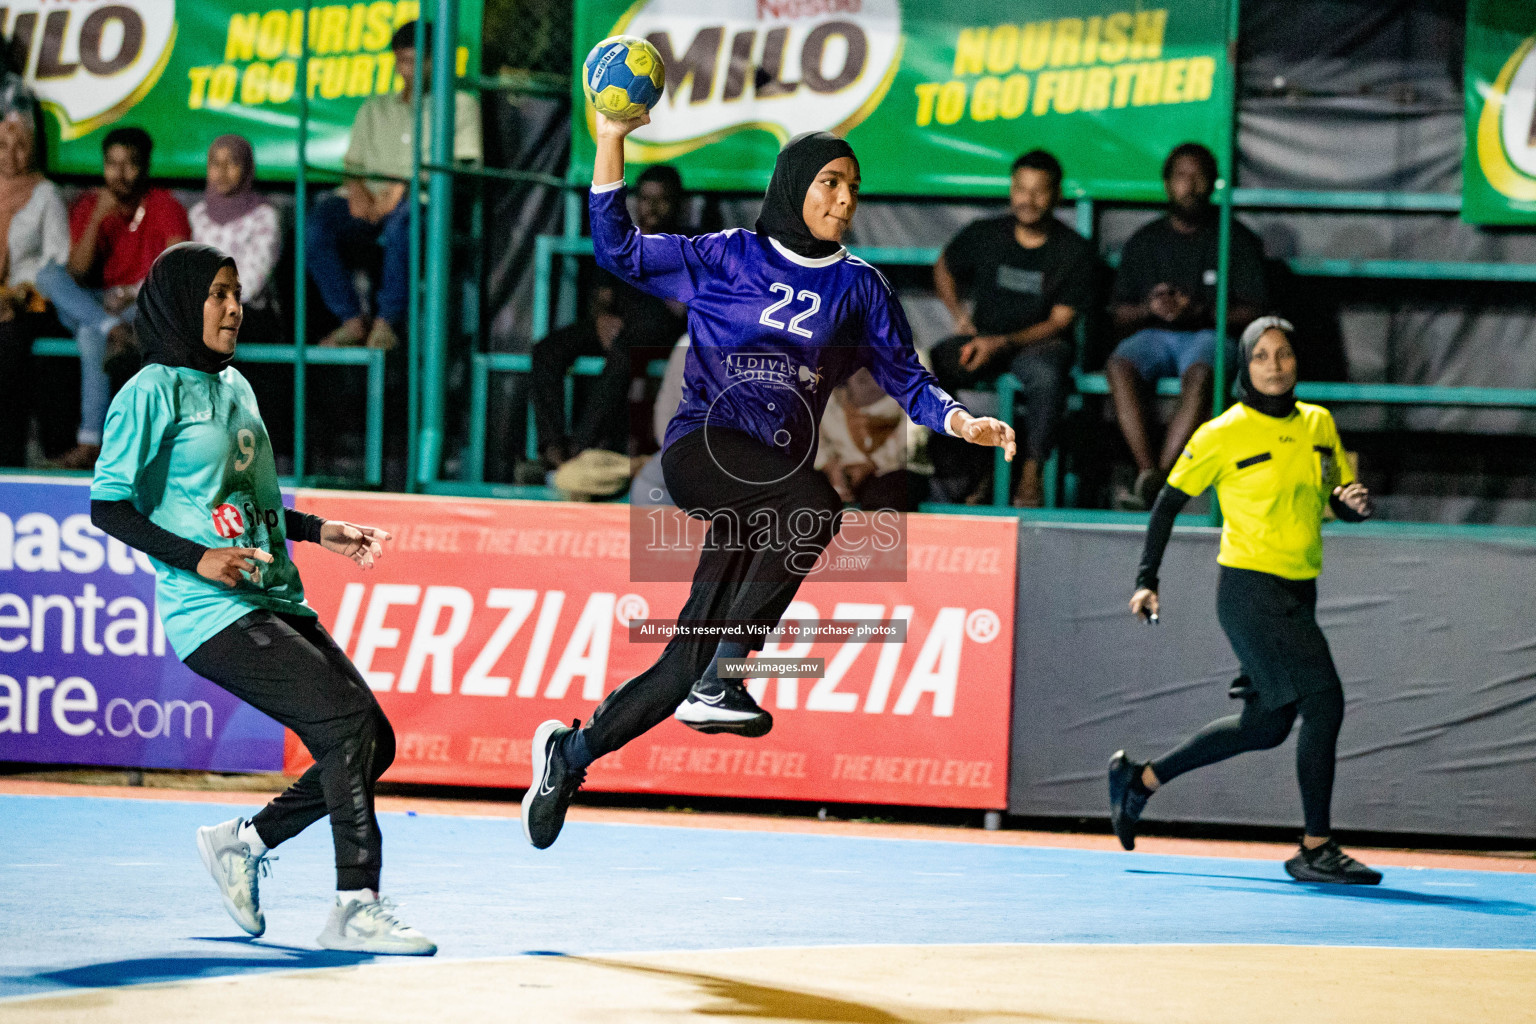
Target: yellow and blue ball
(623, 77)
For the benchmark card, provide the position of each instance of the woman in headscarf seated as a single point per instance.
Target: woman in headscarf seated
(234, 217)
(35, 226)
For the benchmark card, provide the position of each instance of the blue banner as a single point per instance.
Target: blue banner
(86, 675)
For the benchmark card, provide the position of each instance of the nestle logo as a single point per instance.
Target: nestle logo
(785, 10)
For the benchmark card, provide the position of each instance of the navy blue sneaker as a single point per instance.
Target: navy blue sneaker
(1330, 864)
(1126, 802)
(554, 785)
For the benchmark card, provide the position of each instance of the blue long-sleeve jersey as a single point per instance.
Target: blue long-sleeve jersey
(773, 332)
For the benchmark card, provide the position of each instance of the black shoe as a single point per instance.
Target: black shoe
(723, 705)
(1329, 863)
(1126, 802)
(555, 783)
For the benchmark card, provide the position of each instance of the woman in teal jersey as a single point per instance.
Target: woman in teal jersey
(186, 475)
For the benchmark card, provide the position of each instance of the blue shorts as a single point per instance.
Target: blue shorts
(1159, 353)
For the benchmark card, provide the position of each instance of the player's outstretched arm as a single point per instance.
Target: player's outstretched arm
(987, 431)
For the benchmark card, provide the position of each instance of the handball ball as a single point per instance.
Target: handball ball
(623, 77)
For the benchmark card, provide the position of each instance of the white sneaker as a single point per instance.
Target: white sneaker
(371, 927)
(235, 871)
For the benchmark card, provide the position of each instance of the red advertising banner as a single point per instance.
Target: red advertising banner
(485, 618)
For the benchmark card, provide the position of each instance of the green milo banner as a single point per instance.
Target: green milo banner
(189, 71)
(1499, 169)
(937, 96)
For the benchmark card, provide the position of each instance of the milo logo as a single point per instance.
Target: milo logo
(783, 66)
(89, 60)
(1506, 131)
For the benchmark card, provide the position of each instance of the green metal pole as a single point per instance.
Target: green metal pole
(413, 335)
(300, 272)
(1224, 228)
(568, 265)
(439, 237)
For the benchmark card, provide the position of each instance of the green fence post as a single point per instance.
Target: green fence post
(439, 236)
(569, 268)
(413, 337)
(300, 271)
(1224, 230)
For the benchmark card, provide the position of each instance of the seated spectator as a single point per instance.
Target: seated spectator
(1026, 276)
(620, 318)
(35, 227)
(117, 232)
(1164, 305)
(234, 217)
(863, 448)
(649, 486)
(369, 207)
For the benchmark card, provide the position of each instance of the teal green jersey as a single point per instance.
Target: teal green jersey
(189, 450)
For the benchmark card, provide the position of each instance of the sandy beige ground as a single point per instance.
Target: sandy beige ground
(862, 985)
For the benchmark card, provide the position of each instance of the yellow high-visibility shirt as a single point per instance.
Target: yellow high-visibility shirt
(1273, 478)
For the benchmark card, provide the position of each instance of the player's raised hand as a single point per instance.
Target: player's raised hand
(362, 544)
(608, 128)
(225, 565)
(988, 431)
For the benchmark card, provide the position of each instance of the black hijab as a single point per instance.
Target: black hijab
(169, 322)
(1278, 406)
(783, 217)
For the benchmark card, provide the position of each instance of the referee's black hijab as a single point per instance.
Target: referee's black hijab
(783, 217)
(169, 322)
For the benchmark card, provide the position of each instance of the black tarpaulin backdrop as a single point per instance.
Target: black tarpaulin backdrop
(1433, 637)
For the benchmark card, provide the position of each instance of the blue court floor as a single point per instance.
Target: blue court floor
(97, 893)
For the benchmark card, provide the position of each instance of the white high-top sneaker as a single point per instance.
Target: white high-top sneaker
(359, 926)
(235, 871)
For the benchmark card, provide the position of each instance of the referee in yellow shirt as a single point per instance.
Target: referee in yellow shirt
(1276, 464)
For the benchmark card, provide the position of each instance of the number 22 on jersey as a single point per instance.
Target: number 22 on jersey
(793, 327)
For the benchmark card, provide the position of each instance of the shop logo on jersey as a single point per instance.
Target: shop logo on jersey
(88, 61)
(227, 522)
(780, 66)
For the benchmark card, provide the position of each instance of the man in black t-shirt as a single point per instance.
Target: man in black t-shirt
(620, 318)
(1026, 276)
(1164, 306)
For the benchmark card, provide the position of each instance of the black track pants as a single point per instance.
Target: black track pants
(1259, 729)
(288, 667)
(734, 475)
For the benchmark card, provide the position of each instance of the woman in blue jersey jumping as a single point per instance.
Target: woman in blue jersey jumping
(186, 475)
(778, 318)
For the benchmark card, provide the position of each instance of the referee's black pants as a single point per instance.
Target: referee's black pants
(289, 668)
(732, 480)
(1271, 623)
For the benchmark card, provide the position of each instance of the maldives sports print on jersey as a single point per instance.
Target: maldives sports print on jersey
(1499, 167)
(937, 96)
(189, 72)
(86, 674)
(485, 618)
